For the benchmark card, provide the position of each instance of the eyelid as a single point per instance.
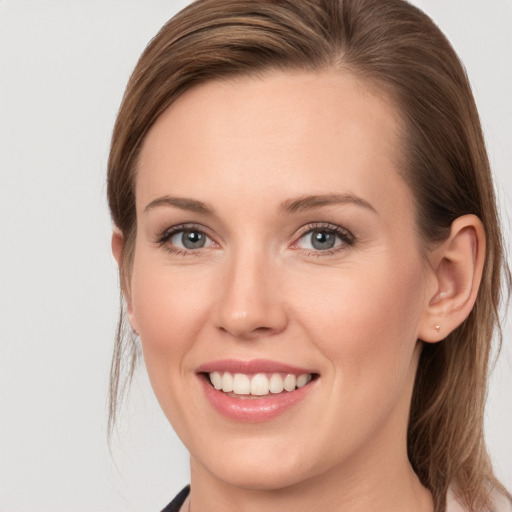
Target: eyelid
(327, 226)
(345, 235)
(163, 236)
(348, 239)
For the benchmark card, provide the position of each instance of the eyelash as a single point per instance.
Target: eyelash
(346, 237)
(167, 234)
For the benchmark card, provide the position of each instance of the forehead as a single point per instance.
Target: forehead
(284, 130)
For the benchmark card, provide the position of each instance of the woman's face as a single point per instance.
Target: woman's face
(277, 247)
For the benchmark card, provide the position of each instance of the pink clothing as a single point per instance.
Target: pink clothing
(501, 503)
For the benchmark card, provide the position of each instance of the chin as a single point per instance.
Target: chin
(259, 466)
(258, 477)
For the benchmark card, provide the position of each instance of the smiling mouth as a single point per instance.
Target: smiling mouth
(242, 385)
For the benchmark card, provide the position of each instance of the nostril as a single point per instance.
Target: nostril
(262, 329)
(248, 333)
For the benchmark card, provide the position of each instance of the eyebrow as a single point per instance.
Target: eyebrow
(306, 203)
(183, 203)
(300, 204)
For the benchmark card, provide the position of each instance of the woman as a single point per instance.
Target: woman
(310, 254)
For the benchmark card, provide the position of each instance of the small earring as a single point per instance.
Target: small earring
(135, 332)
(437, 327)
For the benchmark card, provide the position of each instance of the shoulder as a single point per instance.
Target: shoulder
(501, 503)
(452, 505)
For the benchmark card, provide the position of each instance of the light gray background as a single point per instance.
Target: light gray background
(63, 68)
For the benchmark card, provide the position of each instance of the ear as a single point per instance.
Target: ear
(117, 251)
(457, 266)
(117, 245)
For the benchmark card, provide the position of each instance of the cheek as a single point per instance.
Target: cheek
(365, 320)
(167, 308)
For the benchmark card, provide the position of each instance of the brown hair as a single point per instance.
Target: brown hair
(397, 48)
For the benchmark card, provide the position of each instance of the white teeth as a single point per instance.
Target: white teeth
(216, 380)
(227, 382)
(259, 384)
(241, 384)
(303, 379)
(276, 383)
(290, 381)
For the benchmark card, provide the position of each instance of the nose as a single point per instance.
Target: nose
(250, 303)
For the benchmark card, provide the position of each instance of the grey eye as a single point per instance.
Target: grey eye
(322, 240)
(189, 239)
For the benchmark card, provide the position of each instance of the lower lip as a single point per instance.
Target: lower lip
(257, 409)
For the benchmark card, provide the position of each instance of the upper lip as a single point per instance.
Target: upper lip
(250, 367)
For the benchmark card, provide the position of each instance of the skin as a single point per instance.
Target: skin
(258, 289)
